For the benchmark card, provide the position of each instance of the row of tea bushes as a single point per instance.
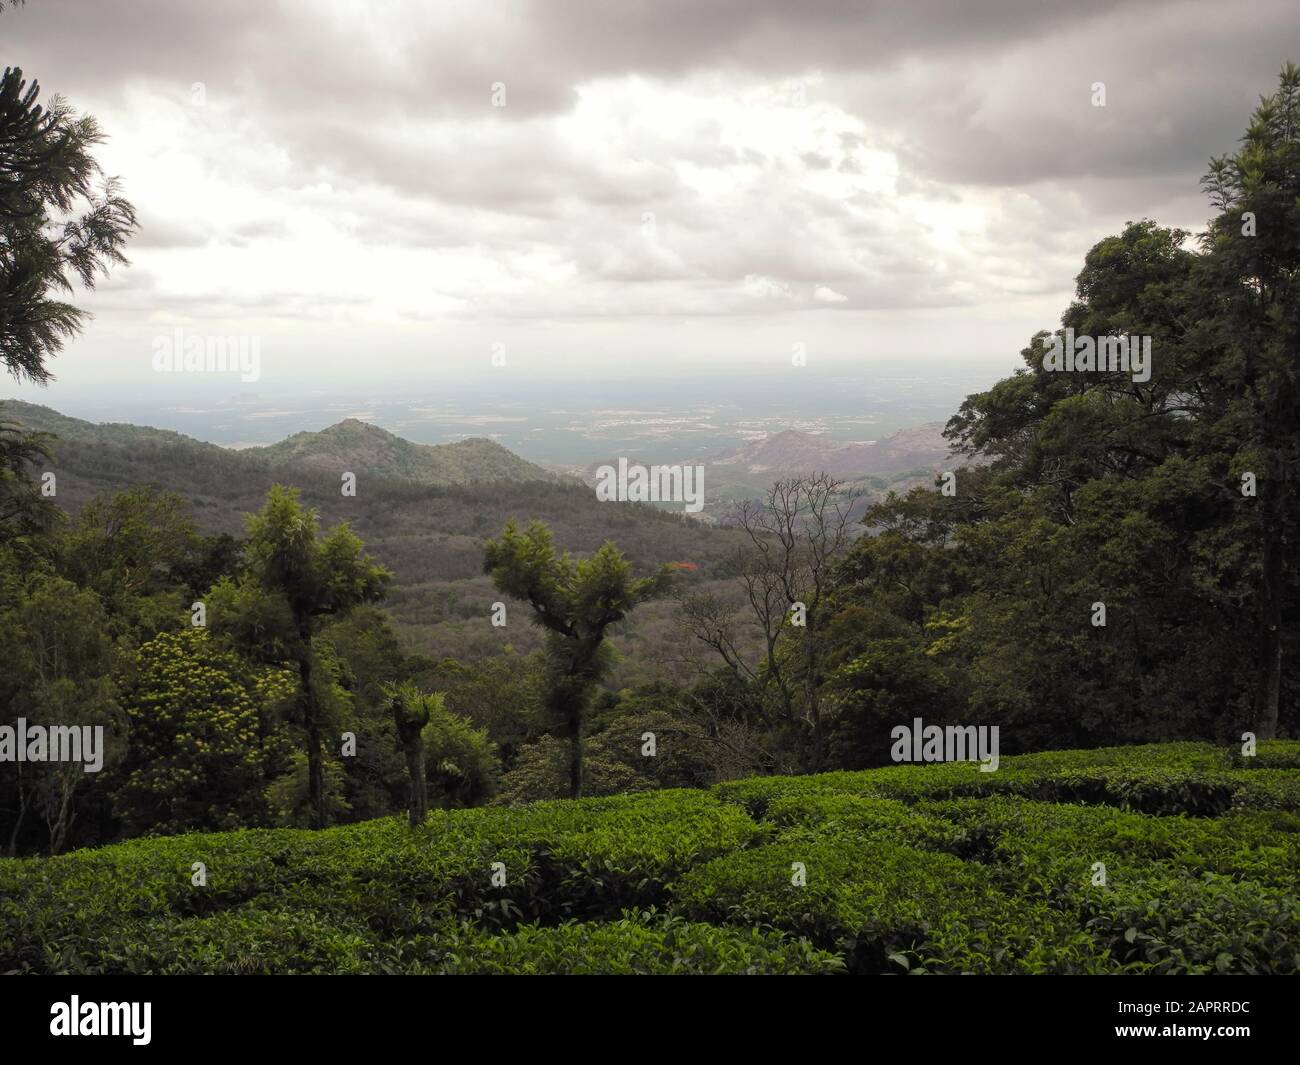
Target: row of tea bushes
(549, 861)
(1181, 858)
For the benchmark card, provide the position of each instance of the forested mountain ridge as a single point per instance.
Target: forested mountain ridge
(364, 448)
(350, 445)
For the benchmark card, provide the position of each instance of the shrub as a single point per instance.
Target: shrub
(634, 945)
(203, 739)
(541, 771)
(244, 941)
(883, 820)
(1208, 924)
(461, 762)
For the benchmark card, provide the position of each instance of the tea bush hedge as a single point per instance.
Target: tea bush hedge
(1176, 858)
(632, 945)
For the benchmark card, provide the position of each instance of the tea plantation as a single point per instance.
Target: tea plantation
(1179, 858)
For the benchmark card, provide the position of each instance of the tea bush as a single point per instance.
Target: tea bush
(1181, 858)
(634, 945)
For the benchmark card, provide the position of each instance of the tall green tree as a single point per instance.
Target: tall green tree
(1170, 499)
(61, 223)
(1252, 269)
(410, 709)
(576, 602)
(24, 513)
(294, 581)
(131, 548)
(58, 673)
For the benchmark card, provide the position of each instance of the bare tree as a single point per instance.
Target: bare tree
(796, 534)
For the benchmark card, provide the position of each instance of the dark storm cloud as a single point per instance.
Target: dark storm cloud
(547, 47)
(1179, 74)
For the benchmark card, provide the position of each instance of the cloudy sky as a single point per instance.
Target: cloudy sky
(669, 184)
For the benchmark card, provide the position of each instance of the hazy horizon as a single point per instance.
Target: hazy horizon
(556, 421)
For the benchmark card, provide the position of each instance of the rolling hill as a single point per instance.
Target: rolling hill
(367, 449)
(350, 445)
(793, 452)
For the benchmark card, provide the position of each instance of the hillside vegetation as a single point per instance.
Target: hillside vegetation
(1178, 858)
(423, 511)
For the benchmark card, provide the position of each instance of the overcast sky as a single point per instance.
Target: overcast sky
(670, 184)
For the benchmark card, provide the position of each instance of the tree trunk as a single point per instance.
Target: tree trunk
(24, 804)
(419, 808)
(575, 749)
(62, 821)
(311, 719)
(1269, 684)
(316, 775)
(568, 698)
(818, 738)
(811, 678)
